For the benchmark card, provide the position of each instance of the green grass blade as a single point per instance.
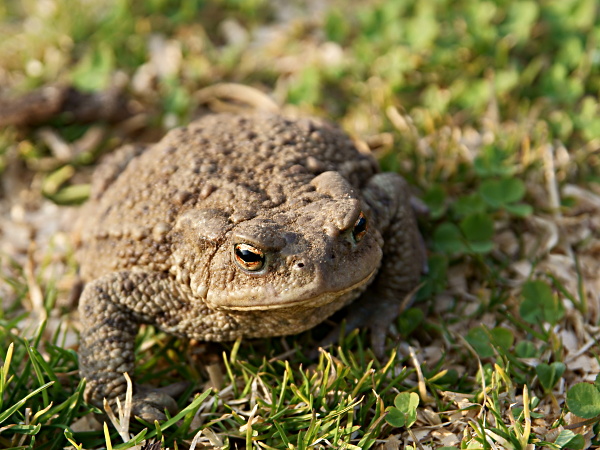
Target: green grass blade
(9, 411)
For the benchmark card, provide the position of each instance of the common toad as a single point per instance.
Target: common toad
(238, 226)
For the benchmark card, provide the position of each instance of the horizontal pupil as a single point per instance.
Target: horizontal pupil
(248, 256)
(361, 225)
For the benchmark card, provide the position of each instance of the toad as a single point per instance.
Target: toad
(238, 226)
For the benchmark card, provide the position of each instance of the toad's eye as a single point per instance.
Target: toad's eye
(249, 257)
(360, 228)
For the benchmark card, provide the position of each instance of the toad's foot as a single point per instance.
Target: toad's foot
(375, 313)
(149, 403)
(150, 406)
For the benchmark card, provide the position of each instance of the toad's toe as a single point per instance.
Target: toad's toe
(150, 405)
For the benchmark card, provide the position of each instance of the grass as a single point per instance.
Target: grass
(491, 111)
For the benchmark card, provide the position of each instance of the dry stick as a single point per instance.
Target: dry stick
(414, 438)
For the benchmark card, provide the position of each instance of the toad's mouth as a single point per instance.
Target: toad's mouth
(267, 298)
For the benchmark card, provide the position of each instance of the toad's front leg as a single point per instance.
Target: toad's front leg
(111, 309)
(404, 256)
(403, 262)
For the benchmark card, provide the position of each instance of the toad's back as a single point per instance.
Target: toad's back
(245, 166)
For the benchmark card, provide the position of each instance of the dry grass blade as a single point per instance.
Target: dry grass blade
(231, 97)
(122, 423)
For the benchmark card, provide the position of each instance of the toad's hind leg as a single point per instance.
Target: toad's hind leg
(111, 309)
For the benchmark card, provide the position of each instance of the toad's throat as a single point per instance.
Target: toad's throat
(267, 302)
